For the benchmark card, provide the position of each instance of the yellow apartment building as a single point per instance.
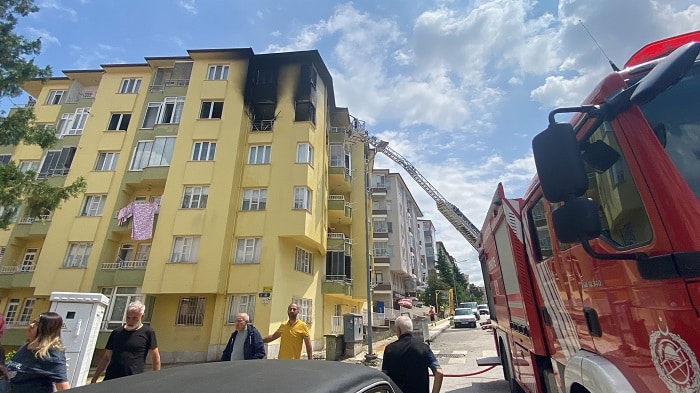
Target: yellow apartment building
(218, 182)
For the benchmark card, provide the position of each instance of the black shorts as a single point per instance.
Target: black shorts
(432, 318)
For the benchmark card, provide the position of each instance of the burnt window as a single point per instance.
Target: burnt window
(264, 77)
(305, 111)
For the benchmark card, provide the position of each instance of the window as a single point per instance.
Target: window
(305, 308)
(378, 277)
(158, 152)
(72, 123)
(106, 161)
(119, 121)
(130, 86)
(305, 111)
(248, 250)
(211, 110)
(167, 112)
(119, 299)
(302, 198)
(26, 166)
(5, 158)
(190, 311)
(195, 197)
(264, 77)
(185, 249)
(203, 151)
(238, 304)
(78, 254)
(57, 162)
(29, 259)
(254, 199)
(11, 311)
(335, 266)
(217, 72)
(336, 155)
(93, 205)
(303, 261)
(305, 153)
(25, 316)
(259, 154)
(55, 97)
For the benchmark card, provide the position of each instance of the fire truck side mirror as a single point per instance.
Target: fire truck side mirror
(559, 163)
(576, 221)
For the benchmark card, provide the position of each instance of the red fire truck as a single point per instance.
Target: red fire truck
(593, 276)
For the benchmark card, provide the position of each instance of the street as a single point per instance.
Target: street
(457, 350)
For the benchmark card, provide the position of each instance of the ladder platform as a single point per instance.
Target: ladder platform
(488, 361)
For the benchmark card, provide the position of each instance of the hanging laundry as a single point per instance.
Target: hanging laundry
(142, 225)
(124, 214)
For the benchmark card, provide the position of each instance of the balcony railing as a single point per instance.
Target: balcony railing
(170, 83)
(17, 269)
(32, 220)
(262, 125)
(85, 95)
(124, 265)
(338, 278)
(337, 324)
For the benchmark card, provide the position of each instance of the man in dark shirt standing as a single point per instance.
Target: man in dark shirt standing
(127, 347)
(407, 359)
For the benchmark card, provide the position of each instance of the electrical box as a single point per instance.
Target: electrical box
(352, 328)
(82, 315)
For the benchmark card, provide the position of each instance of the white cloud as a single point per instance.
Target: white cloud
(47, 38)
(188, 5)
(56, 5)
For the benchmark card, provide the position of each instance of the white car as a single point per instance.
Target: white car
(464, 316)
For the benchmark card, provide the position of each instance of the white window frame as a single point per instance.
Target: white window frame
(303, 261)
(173, 116)
(93, 205)
(130, 86)
(336, 155)
(208, 113)
(254, 199)
(150, 117)
(185, 249)
(248, 250)
(55, 97)
(123, 121)
(259, 154)
(305, 309)
(77, 255)
(302, 198)
(119, 299)
(26, 166)
(238, 304)
(190, 311)
(153, 153)
(12, 311)
(25, 316)
(106, 161)
(217, 72)
(195, 197)
(203, 151)
(305, 153)
(29, 259)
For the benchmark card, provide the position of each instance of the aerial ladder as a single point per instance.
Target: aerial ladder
(358, 133)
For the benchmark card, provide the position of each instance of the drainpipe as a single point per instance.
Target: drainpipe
(369, 356)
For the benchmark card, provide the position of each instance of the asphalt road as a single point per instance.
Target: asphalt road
(457, 351)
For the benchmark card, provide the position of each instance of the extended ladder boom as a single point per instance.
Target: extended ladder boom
(450, 211)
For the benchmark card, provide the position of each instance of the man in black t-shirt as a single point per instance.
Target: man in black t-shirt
(127, 347)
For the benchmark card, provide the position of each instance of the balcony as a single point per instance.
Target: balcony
(16, 276)
(339, 211)
(338, 242)
(380, 188)
(339, 177)
(337, 285)
(169, 83)
(125, 265)
(32, 226)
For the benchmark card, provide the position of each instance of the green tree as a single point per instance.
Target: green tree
(17, 67)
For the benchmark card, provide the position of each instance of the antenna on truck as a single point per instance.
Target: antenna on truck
(614, 67)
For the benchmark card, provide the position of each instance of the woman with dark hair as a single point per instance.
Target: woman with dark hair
(40, 364)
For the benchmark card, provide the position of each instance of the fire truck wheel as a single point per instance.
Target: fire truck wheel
(507, 369)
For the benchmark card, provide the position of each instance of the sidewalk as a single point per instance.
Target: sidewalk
(378, 346)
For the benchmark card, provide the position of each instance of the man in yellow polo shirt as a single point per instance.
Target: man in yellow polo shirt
(293, 332)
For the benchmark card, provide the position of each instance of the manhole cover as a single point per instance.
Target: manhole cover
(450, 355)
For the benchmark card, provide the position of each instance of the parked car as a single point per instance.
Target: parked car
(471, 305)
(483, 309)
(464, 316)
(289, 376)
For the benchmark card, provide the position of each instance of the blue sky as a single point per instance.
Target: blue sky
(457, 87)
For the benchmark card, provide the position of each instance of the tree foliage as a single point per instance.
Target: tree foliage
(18, 127)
